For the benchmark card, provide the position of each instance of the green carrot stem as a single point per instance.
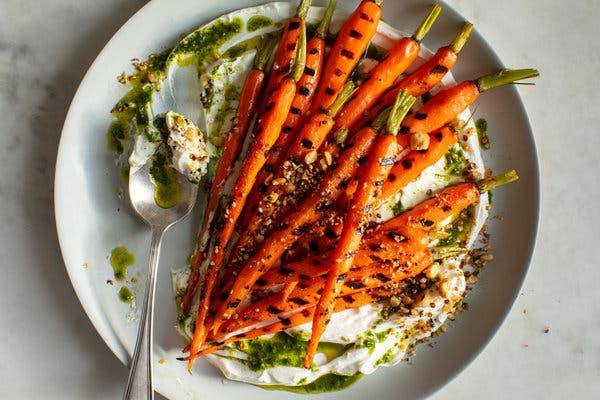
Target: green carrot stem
(264, 52)
(401, 107)
(460, 39)
(441, 252)
(300, 63)
(427, 23)
(323, 28)
(381, 119)
(504, 77)
(303, 9)
(345, 94)
(488, 184)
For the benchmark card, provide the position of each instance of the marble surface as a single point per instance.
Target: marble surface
(548, 346)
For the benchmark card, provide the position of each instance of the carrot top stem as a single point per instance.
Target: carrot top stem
(323, 28)
(378, 2)
(427, 23)
(401, 107)
(264, 51)
(504, 77)
(346, 92)
(441, 252)
(459, 41)
(300, 63)
(303, 8)
(488, 184)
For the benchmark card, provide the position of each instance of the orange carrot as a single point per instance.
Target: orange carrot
(268, 128)
(296, 223)
(352, 41)
(396, 61)
(423, 78)
(355, 300)
(306, 87)
(231, 151)
(286, 52)
(380, 161)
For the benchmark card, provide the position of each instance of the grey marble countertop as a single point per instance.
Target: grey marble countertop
(548, 347)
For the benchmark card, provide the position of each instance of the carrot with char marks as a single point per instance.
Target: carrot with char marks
(285, 55)
(423, 78)
(380, 161)
(300, 317)
(231, 150)
(352, 41)
(310, 210)
(395, 62)
(306, 87)
(303, 151)
(268, 128)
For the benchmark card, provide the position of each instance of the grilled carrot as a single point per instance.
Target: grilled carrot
(306, 87)
(268, 128)
(425, 77)
(300, 317)
(397, 60)
(302, 152)
(309, 211)
(352, 40)
(231, 150)
(286, 52)
(380, 161)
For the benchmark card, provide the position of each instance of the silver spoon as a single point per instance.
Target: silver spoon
(141, 193)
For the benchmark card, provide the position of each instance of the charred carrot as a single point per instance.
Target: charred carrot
(302, 152)
(306, 87)
(286, 52)
(396, 61)
(423, 78)
(355, 300)
(352, 41)
(309, 211)
(380, 161)
(231, 150)
(268, 128)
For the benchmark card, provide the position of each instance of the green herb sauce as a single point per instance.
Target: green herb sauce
(386, 358)
(370, 339)
(326, 383)
(118, 135)
(258, 22)
(125, 295)
(284, 350)
(167, 190)
(481, 126)
(458, 230)
(242, 47)
(455, 161)
(203, 44)
(230, 95)
(121, 259)
(398, 208)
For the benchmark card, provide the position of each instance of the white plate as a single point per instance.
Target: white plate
(91, 220)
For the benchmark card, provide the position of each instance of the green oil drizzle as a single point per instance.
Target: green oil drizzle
(117, 135)
(203, 44)
(167, 189)
(231, 94)
(481, 126)
(326, 383)
(386, 358)
(258, 22)
(284, 349)
(458, 230)
(121, 259)
(125, 295)
(455, 161)
(398, 208)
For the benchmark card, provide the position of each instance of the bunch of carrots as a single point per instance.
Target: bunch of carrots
(325, 153)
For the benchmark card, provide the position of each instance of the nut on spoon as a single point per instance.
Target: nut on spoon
(141, 193)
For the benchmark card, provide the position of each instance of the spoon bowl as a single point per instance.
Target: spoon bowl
(141, 194)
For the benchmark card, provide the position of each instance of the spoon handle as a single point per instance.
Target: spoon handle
(139, 383)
